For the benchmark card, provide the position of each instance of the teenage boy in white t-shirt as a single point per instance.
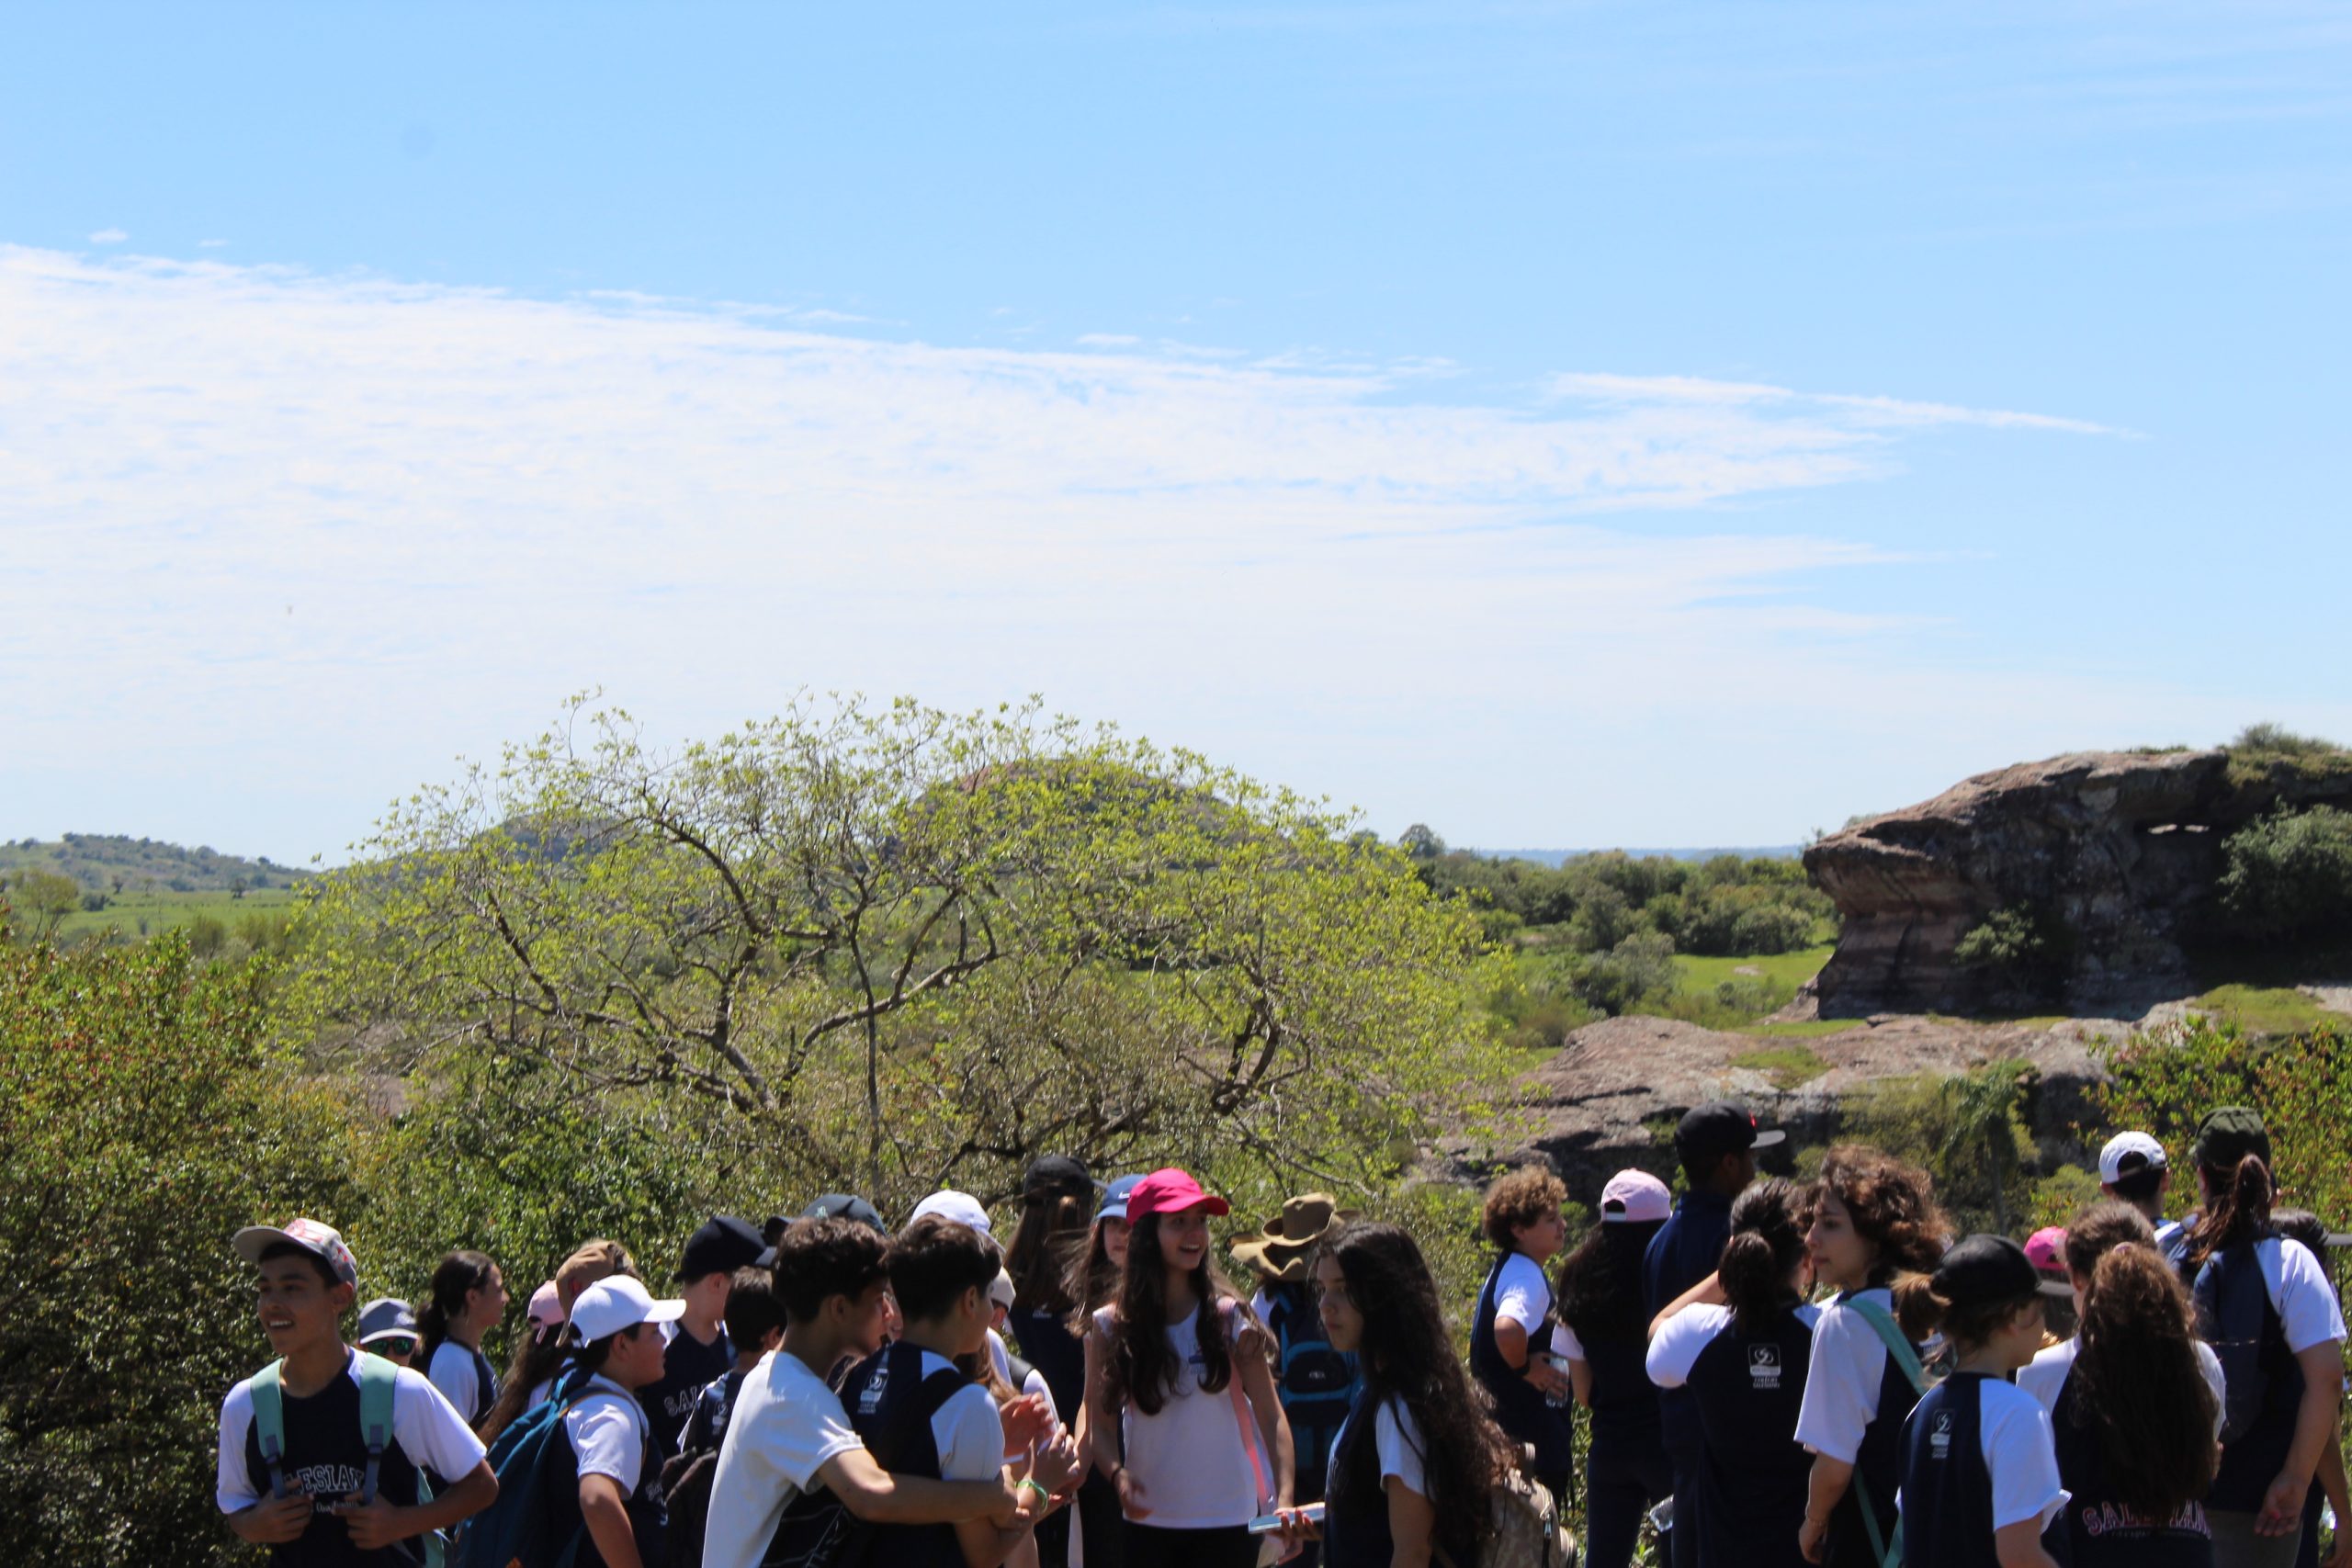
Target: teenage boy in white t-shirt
(309, 1503)
(915, 1408)
(791, 1471)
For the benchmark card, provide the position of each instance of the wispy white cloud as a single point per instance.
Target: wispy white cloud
(109, 237)
(1107, 340)
(209, 244)
(316, 533)
(1595, 386)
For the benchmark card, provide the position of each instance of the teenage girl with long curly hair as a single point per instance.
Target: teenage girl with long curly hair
(1875, 1220)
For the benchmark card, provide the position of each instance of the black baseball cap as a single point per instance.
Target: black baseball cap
(1058, 1173)
(2228, 1134)
(720, 1246)
(845, 1206)
(1720, 1127)
(1984, 1268)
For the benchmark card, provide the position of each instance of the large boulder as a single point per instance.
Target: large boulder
(2115, 854)
(1609, 1097)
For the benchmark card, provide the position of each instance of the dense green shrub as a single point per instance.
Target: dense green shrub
(2016, 949)
(141, 1123)
(2163, 1081)
(2290, 876)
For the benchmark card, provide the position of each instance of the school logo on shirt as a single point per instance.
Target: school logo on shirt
(1940, 1436)
(871, 1400)
(1763, 1367)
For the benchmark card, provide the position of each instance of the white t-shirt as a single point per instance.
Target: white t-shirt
(1675, 1349)
(608, 1429)
(2305, 1301)
(429, 1430)
(1396, 1438)
(1195, 1473)
(1842, 1380)
(2045, 1380)
(453, 1372)
(2021, 1455)
(1522, 1294)
(967, 1431)
(787, 1424)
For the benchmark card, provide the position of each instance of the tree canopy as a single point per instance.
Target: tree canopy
(894, 948)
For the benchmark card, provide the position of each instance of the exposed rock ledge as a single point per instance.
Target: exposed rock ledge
(1593, 1103)
(2122, 848)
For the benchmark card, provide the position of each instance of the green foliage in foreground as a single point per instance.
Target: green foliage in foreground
(140, 1123)
(2163, 1082)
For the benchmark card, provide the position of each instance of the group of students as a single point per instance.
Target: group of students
(1784, 1374)
(1776, 1373)
(820, 1391)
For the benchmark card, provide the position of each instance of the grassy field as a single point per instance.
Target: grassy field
(1779, 971)
(2264, 1009)
(151, 914)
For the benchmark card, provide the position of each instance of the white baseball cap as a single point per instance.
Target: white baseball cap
(950, 1204)
(1001, 1292)
(606, 1307)
(2141, 1150)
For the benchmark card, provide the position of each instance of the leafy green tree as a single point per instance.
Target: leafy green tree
(899, 947)
(44, 899)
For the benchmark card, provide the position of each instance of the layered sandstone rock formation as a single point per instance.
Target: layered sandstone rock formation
(2118, 852)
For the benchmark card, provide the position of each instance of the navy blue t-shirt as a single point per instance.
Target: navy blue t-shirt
(688, 1367)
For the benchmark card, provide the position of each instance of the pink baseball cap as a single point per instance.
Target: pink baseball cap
(1171, 1192)
(1635, 1197)
(321, 1241)
(2046, 1249)
(547, 1307)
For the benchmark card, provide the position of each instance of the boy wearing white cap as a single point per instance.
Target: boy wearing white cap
(319, 1453)
(616, 1345)
(2132, 1170)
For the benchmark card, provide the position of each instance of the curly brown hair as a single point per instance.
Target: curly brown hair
(1523, 1197)
(1892, 1205)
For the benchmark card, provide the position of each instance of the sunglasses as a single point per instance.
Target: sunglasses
(401, 1346)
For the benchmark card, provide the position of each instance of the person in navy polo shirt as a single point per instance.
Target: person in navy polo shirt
(696, 1351)
(1716, 1144)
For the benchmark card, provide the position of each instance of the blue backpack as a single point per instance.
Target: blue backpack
(2236, 1317)
(512, 1528)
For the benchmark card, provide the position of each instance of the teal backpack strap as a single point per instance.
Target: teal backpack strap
(1890, 1333)
(1887, 1549)
(269, 1423)
(378, 1379)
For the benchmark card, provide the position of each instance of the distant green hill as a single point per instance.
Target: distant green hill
(115, 863)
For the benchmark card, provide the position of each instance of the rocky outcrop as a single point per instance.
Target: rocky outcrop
(2115, 853)
(1609, 1097)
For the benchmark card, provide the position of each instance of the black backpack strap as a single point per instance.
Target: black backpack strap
(938, 1389)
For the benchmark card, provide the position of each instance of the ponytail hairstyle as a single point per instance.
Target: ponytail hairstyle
(1144, 1367)
(1601, 1282)
(1893, 1206)
(1767, 1227)
(2240, 1209)
(1921, 1312)
(460, 1275)
(1407, 1355)
(2141, 1391)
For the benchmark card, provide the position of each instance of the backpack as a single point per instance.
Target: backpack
(378, 1380)
(1308, 1370)
(1526, 1529)
(512, 1528)
(2236, 1317)
(686, 1476)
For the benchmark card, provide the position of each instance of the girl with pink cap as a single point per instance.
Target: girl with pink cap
(1182, 1413)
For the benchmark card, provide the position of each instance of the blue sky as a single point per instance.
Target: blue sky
(1566, 424)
